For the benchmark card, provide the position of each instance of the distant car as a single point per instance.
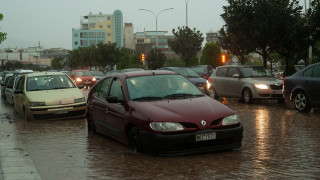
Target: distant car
(204, 71)
(97, 74)
(66, 72)
(83, 78)
(200, 82)
(161, 112)
(48, 95)
(4, 84)
(246, 82)
(303, 88)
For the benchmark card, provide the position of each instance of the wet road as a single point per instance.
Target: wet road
(278, 143)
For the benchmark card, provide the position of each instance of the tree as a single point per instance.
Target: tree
(211, 55)
(58, 63)
(186, 43)
(3, 35)
(155, 59)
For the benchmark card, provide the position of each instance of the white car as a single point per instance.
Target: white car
(48, 95)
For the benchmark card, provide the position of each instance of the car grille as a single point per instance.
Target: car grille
(276, 87)
(70, 114)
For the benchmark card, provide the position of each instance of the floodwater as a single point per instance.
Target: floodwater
(278, 142)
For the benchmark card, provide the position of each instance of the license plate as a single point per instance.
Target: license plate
(206, 137)
(87, 82)
(61, 112)
(277, 91)
(201, 88)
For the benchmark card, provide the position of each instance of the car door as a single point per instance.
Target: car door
(115, 111)
(219, 81)
(98, 104)
(19, 98)
(234, 84)
(313, 84)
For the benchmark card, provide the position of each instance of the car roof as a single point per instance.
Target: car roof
(143, 73)
(239, 66)
(44, 74)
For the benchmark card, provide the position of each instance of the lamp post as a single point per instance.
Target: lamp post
(156, 16)
(186, 11)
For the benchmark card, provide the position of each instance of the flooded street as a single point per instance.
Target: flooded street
(278, 142)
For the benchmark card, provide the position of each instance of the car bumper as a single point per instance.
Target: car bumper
(61, 112)
(182, 144)
(267, 94)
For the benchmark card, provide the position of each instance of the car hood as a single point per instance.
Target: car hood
(191, 110)
(55, 97)
(266, 80)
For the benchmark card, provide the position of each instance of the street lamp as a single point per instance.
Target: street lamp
(186, 11)
(156, 16)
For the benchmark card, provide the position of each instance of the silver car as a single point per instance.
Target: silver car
(245, 82)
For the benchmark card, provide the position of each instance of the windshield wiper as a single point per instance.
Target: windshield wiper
(182, 95)
(145, 98)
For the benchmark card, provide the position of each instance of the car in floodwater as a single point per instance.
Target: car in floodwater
(303, 88)
(161, 112)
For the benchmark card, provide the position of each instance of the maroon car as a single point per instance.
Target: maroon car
(161, 112)
(83, 78)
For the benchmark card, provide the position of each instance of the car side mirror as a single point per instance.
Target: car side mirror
(236, 76)
(17, 91)
(112, 99)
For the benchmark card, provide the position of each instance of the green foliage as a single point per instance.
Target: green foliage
(16, 65)
(186, 43)
(58, 63)
(155, 59)
(174, 63)
(3, 35)
(130, 61)
(211, 55)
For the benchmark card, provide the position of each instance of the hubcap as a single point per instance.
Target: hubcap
(300, 101)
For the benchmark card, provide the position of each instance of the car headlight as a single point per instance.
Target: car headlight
(208, 84)
(94, 79)
(79, 80)
(35, 104)
(261, 86)
(166, 126)
(78, 100)
(229, 120)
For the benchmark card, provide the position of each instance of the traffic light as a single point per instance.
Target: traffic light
(223, 58)
(142, 57)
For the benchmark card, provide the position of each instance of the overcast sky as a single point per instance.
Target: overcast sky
(51, 21)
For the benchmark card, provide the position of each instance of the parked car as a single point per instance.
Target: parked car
(66, 72)
(113, 72)
(97, 74)
(201, 83)
(83, 78)
(205, 71)
(246, 82)
(48, 95)
(161, 112)
(4, 84)
(9, 91)
(303, 88)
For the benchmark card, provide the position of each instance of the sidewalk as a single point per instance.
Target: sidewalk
(15, 163)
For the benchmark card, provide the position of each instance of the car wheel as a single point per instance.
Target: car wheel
(247, 96)
(91, 126)
(301, 102)
(134, 140)
(213, 94)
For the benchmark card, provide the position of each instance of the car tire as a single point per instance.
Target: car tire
(301, 102)
(213, 93)
(247, 96)
(134, 140)
(91, 126)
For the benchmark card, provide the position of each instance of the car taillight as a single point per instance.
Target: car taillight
(205, 76)
(283, 80)
(209, 79)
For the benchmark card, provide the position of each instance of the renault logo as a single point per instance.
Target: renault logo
(203, 123)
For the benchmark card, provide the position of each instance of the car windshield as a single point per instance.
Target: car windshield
(255, 72)
(83, 73)
(187, 72)
(144, 88)
(49, 82)
(97, 73)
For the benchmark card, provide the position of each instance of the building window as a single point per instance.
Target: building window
(75, 35)
(109, 26)
(101, 34)
(109, 34)
(100, 26)
(108, 18)
(76, 43)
